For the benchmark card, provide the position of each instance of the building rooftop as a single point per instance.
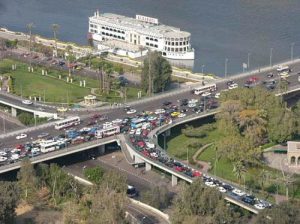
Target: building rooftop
(151, 28)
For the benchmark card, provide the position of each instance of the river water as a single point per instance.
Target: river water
(220, 28)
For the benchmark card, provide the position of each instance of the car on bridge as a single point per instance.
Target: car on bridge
(21, 136)
(27, 102)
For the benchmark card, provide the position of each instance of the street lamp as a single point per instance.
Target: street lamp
(271, 55)
(187, 155)
(248, 61)
(292, 51)
(226, 61)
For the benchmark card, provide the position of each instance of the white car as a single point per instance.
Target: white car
(107, 124)
(159, 111)
(132, 132)
(152, 118)
(217, 95)
(150, 145)
(138, 131)
(193, 101)
(14, 156)
(222, 189)
(131, 111)
(210, 184)
(21, 136)
(117, 121)
(181, 115)
(2, 158)
(259, 206)
(27, 102)
(3, 153)
(190, 105)
(206, 94)
(238, 192)
(233, 86)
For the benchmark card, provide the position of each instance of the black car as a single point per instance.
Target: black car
(249, 199)
(167, 103)
(227, 187)
(230, 82)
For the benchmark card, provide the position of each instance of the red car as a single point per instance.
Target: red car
(146, 153)
(179, 168)
(197, 173)
(141, 144)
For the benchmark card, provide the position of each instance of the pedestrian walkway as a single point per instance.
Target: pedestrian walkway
(205, 167)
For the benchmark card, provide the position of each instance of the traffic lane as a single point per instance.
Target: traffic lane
(132, 179)
(7, 126)
(144, 215)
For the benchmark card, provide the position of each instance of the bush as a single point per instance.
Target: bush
(28, 119)
(271, 189)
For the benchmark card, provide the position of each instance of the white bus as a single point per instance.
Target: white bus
(72, 121)
(202, 89)
(48, 146)
(107, 132)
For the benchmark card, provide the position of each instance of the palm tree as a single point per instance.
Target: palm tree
(238, 170)
(55, 28)
(29, 27)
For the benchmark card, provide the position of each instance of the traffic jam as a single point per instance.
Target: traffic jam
(136, 125)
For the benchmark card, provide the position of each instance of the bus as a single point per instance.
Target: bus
(48, 146)
(137, 122)
(69, 122)
(202, 89)
(105, 132)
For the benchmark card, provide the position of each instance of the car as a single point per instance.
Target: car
(238, 192)
(227, 187)
(151, 118)
(175, 114)
(160, 111)
(222, 189)
(217, 95)
(107, 124)
(230, 82)
(43, 135)
(249, 199)
(150, 145)
(117, 121)
(210, 183)
(191, 105)
(181, 115)
(167, 103)
(21, 136)
(233, 86)
(206, 94)
(184, 110)
(259, 206)
(27, 102)
(193, 101)
(131, 111)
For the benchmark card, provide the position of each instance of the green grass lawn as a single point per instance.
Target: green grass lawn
(177, 146)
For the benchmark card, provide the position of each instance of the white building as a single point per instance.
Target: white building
(141, 32)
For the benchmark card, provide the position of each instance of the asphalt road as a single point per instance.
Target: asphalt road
(154, 104)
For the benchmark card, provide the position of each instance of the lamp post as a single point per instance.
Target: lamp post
(225, 72)
(271, 55)
(248, 61)
(292, 51)
(202, 69)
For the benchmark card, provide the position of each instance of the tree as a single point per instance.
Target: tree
(284, 213)
(196, 202)
(238, 170)
(27, 181)
(156, 74)
(94, 174)
(157, 197)
(9, 197)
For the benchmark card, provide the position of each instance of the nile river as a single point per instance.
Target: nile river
(220, 28)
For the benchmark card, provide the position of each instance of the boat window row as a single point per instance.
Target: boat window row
(178, 39)
(177, 43)
(151, 45)
(93, 31)
(114, 30)
(180, 49)
(93, 26)
(152, 39)
(112, 35)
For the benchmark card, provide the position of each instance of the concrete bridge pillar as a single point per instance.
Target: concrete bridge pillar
(13, 112)
(168, 132)
(101, 149)
(174, 180)
(148, 166)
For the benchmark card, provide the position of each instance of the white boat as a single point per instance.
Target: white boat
(133, 37)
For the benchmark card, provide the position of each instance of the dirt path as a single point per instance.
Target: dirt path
(205, 166)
